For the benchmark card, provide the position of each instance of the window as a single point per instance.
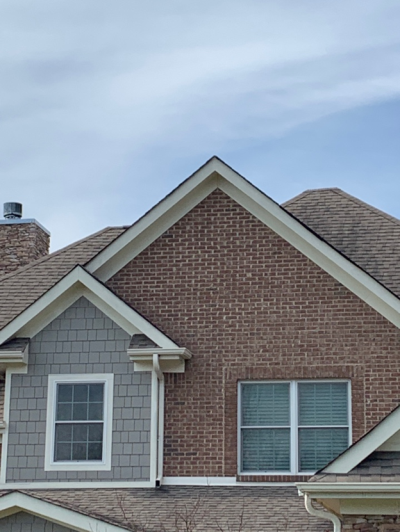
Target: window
(79, 419)
(292, 427)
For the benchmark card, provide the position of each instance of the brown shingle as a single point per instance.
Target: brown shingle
(209, 509)
(364, 234)
(23, 287)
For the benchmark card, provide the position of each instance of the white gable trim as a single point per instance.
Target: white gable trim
(61, 296)
(19, 502)
(366, 445)
(216, 174)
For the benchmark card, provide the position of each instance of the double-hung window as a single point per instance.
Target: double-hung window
(292, 427)
(79, 422)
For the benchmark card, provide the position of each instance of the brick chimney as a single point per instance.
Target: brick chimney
(21, 241)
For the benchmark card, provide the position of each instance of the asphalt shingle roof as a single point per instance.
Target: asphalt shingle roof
(24, 286)
(377, 467)
(364, 234)
(194, 508)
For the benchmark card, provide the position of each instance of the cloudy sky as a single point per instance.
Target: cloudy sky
(105, 106)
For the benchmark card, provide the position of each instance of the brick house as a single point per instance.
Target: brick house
(202, 368)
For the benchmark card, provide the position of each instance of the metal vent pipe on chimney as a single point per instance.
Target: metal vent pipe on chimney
(12, 210)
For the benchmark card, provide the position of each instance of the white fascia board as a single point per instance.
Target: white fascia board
(54, 513)
(60, 485)
(154, 223)
(216, 174)
(367, 445)
(353, 490)
(318, 251)
(61, 296)
(148, 352)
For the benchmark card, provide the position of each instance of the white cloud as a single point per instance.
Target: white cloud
(92, 92)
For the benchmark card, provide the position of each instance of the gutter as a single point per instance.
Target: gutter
(355, 490)
(337, 525)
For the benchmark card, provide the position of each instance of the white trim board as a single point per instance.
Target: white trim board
(107, 379)
(369, 443)
(62, 485)
(15, 502)
(67, 291)
(215, 174)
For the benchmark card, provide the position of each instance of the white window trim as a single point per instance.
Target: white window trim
(105, 465)
(293, 424)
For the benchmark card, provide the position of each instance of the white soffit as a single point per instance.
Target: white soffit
(16, 502)
(375, 439)
(61, 296)
(216, 174)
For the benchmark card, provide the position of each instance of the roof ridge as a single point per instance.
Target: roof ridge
(362, 203)
(298, 197)
(346, 195)
(55, 253)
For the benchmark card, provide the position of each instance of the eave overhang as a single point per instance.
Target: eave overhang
(353, 490)
(14, 355)
(171, 360)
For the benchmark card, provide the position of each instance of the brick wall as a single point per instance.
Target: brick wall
(250, 306)
(82, 340)
(371, 523)
(20, 244)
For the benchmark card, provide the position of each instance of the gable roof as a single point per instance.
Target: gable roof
(24, 286)
(77, 283)
(109, 250)
(366, 235)
(215, 174)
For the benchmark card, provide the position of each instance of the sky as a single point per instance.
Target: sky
(105, 107)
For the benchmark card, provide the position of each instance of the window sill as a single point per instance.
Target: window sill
(78, 466)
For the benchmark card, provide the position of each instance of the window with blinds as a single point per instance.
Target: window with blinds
(292, 427)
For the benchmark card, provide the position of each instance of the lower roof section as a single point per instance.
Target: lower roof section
(174, 508)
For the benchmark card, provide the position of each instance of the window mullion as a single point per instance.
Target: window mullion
(294, 428)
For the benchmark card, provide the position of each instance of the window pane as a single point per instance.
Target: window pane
(65, 393)
(64, 412)
(80, 412)
(81, 393)
(96, 411)
(95, 451)
(79, 451)
(63, 452)
(96, 432)
(323, 403)
(80, 433)
(317, 447)
(265, 404)
(63, 433)
(96, 393)
(266, 449)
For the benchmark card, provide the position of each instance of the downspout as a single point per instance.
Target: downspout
(160, 438)
(337, 525)
(157, 423)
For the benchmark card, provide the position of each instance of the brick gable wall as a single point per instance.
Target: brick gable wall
(250, 306)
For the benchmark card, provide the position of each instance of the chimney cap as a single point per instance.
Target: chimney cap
(12, 210)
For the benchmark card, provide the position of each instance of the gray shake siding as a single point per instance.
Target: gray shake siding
(81, 340)
(23, 522)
